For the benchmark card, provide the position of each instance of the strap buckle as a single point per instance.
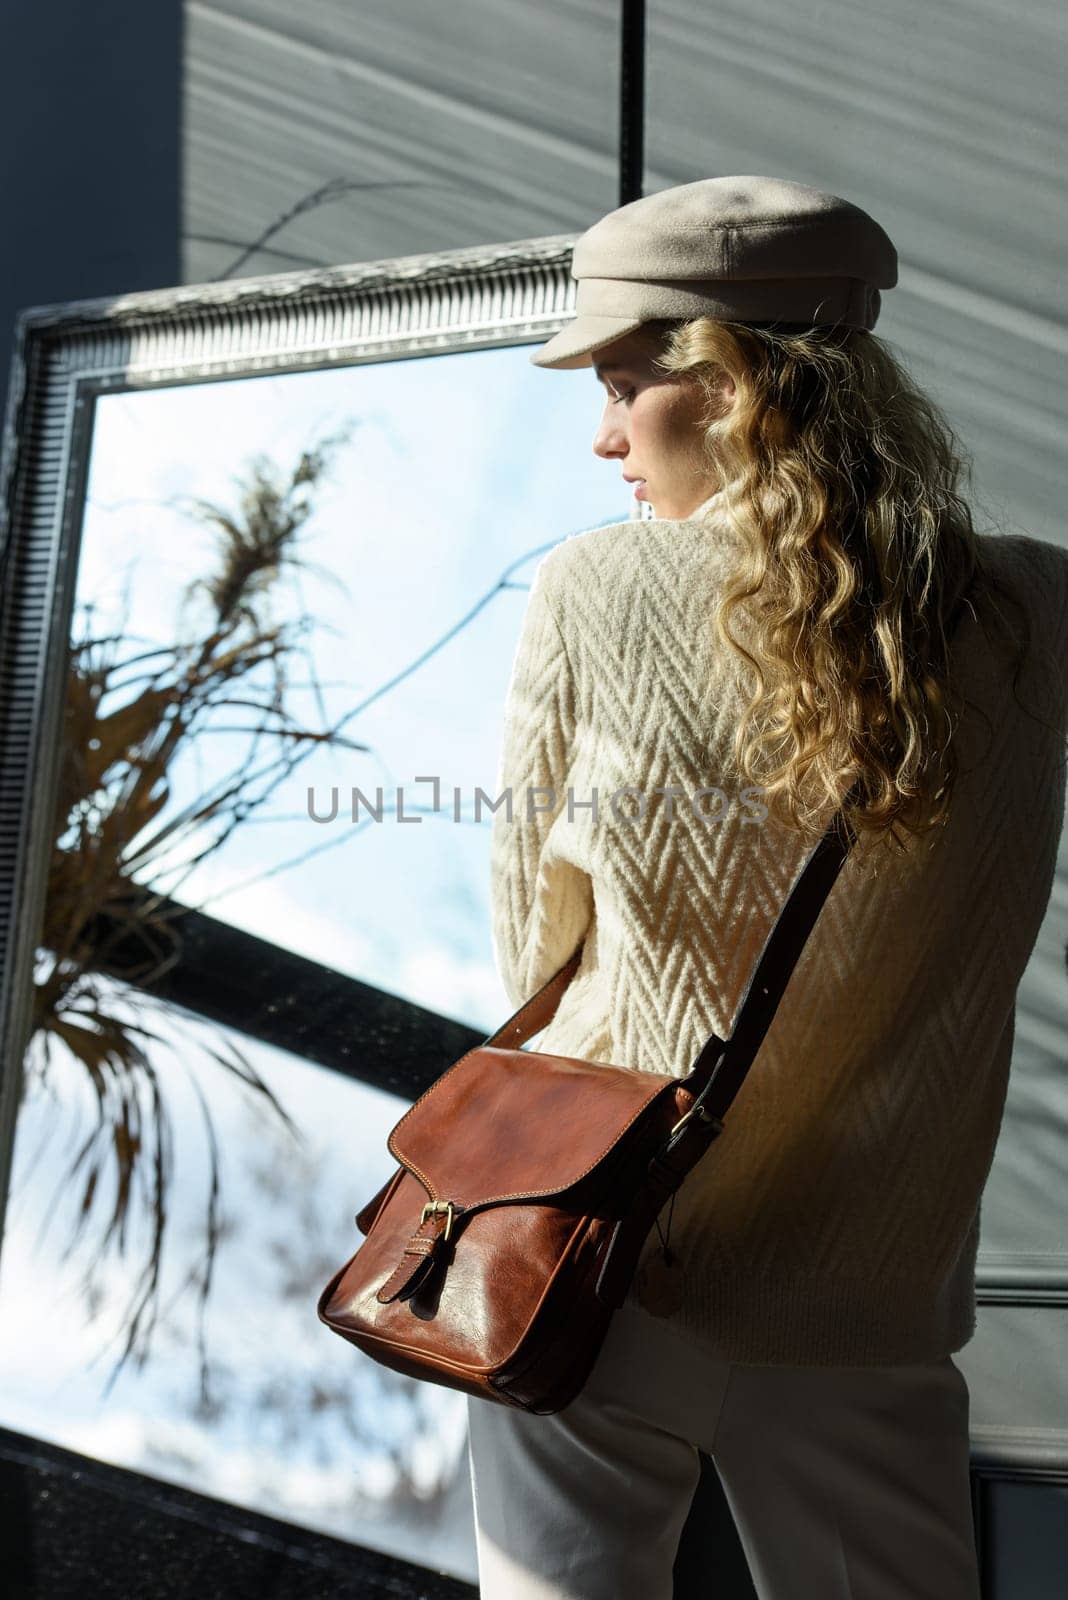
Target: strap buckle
(703, 1115)
(439, 1205)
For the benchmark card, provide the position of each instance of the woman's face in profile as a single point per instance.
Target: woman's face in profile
(651, 426)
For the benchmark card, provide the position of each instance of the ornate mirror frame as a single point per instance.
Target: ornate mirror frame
(66, 355)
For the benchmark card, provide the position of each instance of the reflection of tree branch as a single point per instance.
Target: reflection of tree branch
(450, 634)
(410, 810)
(503, 582)
(124, 505)
(298, 756)
(114, 782)
(274, 818)
(331, 844)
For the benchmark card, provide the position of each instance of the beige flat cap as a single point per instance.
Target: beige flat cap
(743, 249)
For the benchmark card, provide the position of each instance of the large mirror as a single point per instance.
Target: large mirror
(270, 547)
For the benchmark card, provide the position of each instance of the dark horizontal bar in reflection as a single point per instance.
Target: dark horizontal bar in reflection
(265, 992)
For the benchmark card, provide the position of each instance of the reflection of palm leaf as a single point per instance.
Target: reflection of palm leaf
(113, 785)
(125, 734)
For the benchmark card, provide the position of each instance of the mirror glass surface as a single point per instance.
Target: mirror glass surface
(287, 585)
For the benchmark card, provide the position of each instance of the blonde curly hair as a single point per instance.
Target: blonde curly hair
(844, 481)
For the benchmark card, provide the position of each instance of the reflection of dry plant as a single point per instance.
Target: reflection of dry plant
(125, 722)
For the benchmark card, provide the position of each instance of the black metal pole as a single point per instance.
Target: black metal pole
(632, 102)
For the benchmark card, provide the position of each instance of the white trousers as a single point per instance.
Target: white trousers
(845, 1483)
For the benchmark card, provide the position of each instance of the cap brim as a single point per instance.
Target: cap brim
(573, 346)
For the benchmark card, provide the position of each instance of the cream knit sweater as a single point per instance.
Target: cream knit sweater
(836, 1219)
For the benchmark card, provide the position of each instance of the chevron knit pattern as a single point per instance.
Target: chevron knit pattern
(836, 1219)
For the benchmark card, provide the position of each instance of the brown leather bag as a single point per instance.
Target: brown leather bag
(527, 1183)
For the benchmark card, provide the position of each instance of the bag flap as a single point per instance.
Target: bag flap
(510, 1124)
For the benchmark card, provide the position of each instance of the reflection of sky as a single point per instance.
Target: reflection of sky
(304, 1426)
(457, 466)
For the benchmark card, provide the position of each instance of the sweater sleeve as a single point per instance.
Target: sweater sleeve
(541, 901)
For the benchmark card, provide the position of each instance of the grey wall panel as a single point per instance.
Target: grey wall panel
(951, 119)
(949, 124)
(485, 121)
(1015, 1367)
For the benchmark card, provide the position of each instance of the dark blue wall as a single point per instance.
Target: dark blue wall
(90, 156)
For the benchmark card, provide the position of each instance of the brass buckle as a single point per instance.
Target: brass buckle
(439, 1205)
(702, 1114)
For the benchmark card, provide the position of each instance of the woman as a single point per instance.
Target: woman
(691, 700)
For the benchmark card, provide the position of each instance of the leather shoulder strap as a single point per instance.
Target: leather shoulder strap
(766, 985)
(537, 1012)
(725, 1062)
